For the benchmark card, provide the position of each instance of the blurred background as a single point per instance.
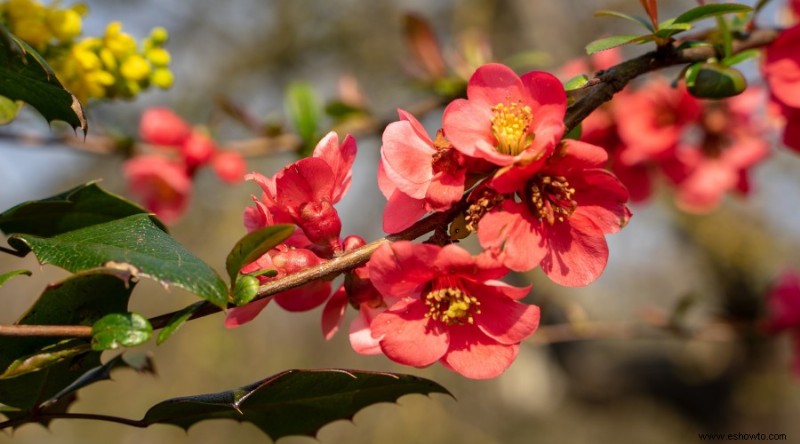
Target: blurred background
(634, 383)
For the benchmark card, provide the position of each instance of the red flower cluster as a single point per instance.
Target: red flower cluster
(784, 312)
(533, 200)
(163, 180)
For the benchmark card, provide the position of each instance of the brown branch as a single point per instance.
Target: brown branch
(599, 91)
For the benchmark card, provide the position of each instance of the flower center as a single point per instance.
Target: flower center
(451, 305)
(510, 126)
(446, 158)
(552, 198)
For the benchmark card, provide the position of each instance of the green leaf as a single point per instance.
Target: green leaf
(741, 57)
(80, 207)
(710, 10)
(6, 276)
(294, 402)
(80, 299)
(253, 245)
(8, 110)
(614, 41)
(245, 289)
(133, 243)
(26, 76)
(305, 112)
(576, 82)
(176, 321)
(665, 32)
(44, 358)
(633, 18)
(117, 329)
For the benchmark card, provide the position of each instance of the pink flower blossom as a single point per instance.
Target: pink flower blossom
(557, 216)
(304, 192)
(507, 119)
(451, 309)
(229, 166)
(161, 126)
(162, 185)
(197, 149)
(417, 175)
(651, 121)
(781, 70)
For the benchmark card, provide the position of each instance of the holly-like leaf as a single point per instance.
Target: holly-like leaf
(710, 10)
(614, 41)
(176, 321)
(294, 402)
(253, 245)
(80, 207)
(133, 243)
(120, 330)
(26, 76)
(81, 299)
(6, 276)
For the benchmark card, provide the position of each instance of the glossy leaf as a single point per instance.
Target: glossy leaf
(120, 330)
(80, 207)
(44, 358)
(614, 41)
(710, 10)
(176, 321)
(6, 276)
(79, 300)
(253, 245)
(133, 243)
(667, 31)
(26, 76)
(633, 18)
(294, 402)
(245, 289)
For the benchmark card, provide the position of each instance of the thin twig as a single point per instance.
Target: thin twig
(47, 416)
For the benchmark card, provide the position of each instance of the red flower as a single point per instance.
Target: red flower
(450, 309)
(781, 70)
(507, 119)
(417, 175)
(161, 126)
(557, 216)
(651, 121)
(304, 192)
(229, 166)
(161, 184)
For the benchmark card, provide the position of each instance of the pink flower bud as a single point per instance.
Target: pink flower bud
(161, 126)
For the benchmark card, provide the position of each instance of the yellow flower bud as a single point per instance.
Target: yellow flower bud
(162, 78)
(65, 24)
(135, 67)
(158, 57)
(159, 36)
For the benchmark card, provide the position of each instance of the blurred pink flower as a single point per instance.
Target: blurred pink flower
(784, 311)
(229, 166)
(451, 309)
(161, 126)
(162, 185)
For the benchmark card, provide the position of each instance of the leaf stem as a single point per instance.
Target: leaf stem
(47, 416)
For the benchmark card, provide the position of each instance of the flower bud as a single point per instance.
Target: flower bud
(714, 81)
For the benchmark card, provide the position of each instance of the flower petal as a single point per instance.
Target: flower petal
(407, 336)
(501, 318)
(333, 313)
(477, 356)
(575, 257)
(360, 333)
(241, 315)
(399, 269)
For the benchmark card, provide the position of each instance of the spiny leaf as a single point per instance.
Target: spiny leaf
(80, 207)
(253, 245)
(294, 402)
(710, 10)
(614, 41)
(134, 243)
(26, 76)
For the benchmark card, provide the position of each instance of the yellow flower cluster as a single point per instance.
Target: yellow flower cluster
(110, 66)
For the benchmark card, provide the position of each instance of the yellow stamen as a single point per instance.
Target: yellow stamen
(552, 198)
(451, 306)
(510, 126)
